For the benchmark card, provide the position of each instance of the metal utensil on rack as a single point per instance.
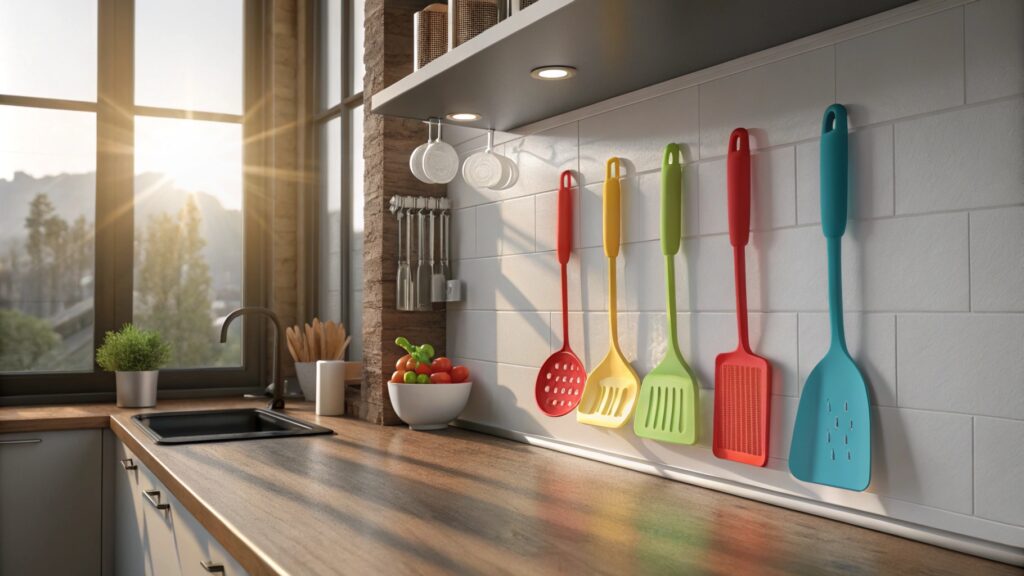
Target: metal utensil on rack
(446, 239)
(423, 271)
(437, 279)
(402, 277)
(409, 303)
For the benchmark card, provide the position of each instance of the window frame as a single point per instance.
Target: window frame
(115, 238)
(317, 26)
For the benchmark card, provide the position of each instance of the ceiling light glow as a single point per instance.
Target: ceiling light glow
(553, 72)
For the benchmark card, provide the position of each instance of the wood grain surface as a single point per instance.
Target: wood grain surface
(374, 499)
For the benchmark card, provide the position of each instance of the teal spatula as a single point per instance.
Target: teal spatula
(832, 434)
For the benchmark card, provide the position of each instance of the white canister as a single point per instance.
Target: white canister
(330, 387)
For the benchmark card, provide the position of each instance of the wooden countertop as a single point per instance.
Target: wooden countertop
(388, 499)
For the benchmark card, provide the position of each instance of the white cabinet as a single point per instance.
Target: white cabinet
(154, 534)
(50, 502)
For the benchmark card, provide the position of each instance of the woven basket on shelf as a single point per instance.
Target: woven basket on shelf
(524, 3)
(430, 34)
(467, 18)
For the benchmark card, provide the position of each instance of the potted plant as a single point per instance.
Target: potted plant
(135, 357)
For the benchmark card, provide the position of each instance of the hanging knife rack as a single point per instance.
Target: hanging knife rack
(424, 252)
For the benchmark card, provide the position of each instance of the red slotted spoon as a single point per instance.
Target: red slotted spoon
(743, 380)
(561, 378)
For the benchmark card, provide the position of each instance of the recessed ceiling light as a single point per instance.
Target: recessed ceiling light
(463, 116)
(553, 72)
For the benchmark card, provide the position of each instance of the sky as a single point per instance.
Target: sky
(186, 58)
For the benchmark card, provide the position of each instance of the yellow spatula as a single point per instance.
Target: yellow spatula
(611, 389)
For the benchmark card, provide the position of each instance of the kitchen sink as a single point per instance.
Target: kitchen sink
(223, 425)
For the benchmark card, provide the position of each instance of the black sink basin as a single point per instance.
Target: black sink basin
(223, 425)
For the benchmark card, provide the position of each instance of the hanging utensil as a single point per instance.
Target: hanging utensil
(416, 158)
(743, 380)
(440, 160)
(423, 273)
(611, 388)
(832, 434)
(446, 239)
(436, 274)
(402, 278)
(410, 296)
(484, 169)
(560, 381)
(668, 407)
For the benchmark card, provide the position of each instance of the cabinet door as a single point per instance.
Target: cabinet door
(130, 543)
(198, 551)
(50, 492)
(159, 519)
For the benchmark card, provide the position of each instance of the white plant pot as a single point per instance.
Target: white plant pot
(306, 372)
(429, 406)
(136, 389)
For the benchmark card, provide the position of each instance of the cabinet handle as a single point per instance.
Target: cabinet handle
(129, 464)
(212, 567)
(154, 498)
(22, 441)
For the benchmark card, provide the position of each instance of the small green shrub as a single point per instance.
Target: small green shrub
(132, 350)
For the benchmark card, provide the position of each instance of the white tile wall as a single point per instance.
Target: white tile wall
(998, 469)
(997, 260)
(903, 70)
(994, 42)
(965, 158)
(933, 261)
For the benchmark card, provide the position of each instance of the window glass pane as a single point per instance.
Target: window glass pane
(188, 54)
(357, 68)
(355, 260)
(48, 48)
(330, 220)
(47, 191)
(330, 53)
(188, 235)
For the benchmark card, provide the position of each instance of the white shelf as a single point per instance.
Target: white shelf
(617, 46)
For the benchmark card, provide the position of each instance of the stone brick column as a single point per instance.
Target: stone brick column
(387, 144)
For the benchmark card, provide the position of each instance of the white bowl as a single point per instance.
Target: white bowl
(429, 406)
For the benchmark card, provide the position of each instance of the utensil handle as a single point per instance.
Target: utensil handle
(834, 169)
(671, 199)
(612, 199)
(738, 183)
(564, 217)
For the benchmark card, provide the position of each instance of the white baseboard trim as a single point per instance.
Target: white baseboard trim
(960, 543)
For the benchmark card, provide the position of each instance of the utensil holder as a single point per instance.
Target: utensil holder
(467, 18)
(430, 34)
(434, 252)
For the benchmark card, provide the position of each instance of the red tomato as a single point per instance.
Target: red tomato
(422, 368)
(440, 378)
(410, 364)
(460, 374)
(397, 376)
(441, 364)
(400, 365)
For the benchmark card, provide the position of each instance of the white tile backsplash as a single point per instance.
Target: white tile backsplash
(774, 102)
(904, 70)
(997, 260)
(933, 261)
(994, 49)
(966, 158)
(638, 133)
(999, 469)
(964, 363)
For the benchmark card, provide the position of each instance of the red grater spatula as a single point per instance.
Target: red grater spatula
(743, 380)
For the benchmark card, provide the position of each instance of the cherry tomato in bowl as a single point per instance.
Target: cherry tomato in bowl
(440, 378)
(400, 365)
(441, 364)
(424, 369)
(459, 374)
(398, 376)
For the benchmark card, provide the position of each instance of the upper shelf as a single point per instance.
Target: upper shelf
(617, 46)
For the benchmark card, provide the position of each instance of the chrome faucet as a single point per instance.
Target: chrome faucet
(277, 403)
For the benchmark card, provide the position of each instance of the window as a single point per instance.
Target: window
(339, 141)
(124, 187)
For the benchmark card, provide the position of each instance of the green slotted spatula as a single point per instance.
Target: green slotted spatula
(667, 409)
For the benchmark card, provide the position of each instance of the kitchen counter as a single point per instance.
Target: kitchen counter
(387, 499)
